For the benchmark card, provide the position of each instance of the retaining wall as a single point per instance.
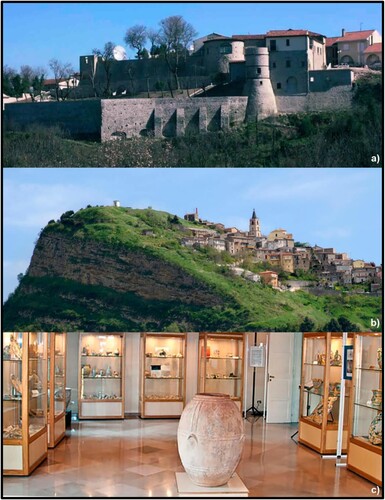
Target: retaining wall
(335, 98)
(109, 118)
(81, 119)
(169, 117)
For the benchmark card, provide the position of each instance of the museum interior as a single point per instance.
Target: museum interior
(192, 414)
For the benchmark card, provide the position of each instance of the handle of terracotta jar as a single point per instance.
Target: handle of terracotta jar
(192, 440)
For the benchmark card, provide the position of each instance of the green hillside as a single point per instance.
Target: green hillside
(99, 270)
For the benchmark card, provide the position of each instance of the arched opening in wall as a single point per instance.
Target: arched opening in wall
(291, 85)
(145, 132)
(347, 60)
(372, 59)
(118, 135)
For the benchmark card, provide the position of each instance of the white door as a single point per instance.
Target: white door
(280, 377)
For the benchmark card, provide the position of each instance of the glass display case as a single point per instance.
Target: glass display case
(221, 364)
(101, 375)
(56, 387)
(163, 375)
(365, 441)
(24, 402)
(320, 392)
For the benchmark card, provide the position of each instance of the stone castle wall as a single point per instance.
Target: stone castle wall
(80, 119)
(169, 117)
(107, 118)
(335, 98)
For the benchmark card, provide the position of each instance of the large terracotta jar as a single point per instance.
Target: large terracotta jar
(210, 439)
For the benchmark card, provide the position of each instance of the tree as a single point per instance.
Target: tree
(8, 75)
(153, 38)
(136, 38)
(307, 325)
(175, 35)
(332, 326)
(33, 79)
(107, 58)
(61, 72)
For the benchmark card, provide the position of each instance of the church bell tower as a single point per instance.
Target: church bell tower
(254, 228)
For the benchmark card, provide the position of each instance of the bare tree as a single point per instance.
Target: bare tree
(33, 79)
(62, 73)
(175, 35)
(153, 38)
(107, 58)
(136, 38)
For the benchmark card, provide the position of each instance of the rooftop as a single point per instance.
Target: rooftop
(376, 47)
(353, 36)
(291, 32)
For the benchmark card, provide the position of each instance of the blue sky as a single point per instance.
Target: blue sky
(338, 208)
(34, 33)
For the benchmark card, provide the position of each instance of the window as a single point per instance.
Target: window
(279, 85)
(273, 45)
(259, 71)
(287, 42)
(312, 78)
(225, 48)
(288, 64)
(274, 65)
(261, 82)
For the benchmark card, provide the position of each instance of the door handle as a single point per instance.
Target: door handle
(271, 377)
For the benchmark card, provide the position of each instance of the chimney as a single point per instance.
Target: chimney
(343, 32)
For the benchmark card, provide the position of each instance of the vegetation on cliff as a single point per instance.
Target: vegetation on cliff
(63, 299)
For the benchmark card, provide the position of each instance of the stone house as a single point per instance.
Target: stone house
(301, 260)
(236, 243)
(269, 278)
(373, 55)
(350, 48)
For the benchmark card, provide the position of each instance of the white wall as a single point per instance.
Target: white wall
(132, 370)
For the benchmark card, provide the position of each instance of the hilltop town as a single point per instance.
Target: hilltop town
(280, 253)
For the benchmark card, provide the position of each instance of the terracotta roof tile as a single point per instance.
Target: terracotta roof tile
(331, 40)
(290, 32)
(249, 37)
(352, 36)
(376, 47)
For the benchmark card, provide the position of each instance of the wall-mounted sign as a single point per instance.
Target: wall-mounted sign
(348, 362)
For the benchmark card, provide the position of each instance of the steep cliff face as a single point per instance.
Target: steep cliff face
(93, 263)
(121, 269)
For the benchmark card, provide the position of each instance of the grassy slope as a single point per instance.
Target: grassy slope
(247, 305)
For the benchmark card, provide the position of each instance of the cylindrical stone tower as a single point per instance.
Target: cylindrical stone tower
(261, 99)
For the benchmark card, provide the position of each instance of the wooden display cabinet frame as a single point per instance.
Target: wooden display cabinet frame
(164, 406)
(56, 423)
(102, 409)
(364, 458)
(203, 359)
(322, 437)
(29, 451)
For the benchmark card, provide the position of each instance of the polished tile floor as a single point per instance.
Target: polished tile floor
(139, 458)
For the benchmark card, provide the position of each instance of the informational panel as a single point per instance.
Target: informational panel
(257, 356)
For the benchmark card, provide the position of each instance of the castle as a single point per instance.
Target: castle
(282, 71)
